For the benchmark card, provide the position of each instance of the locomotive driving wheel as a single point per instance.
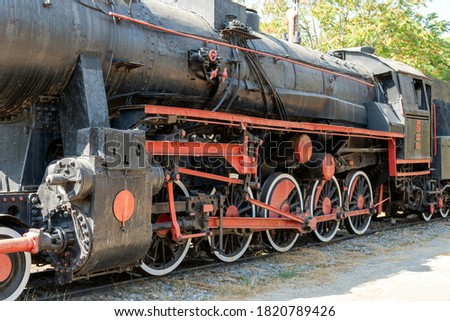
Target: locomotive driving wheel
(359, 196)
(236, 242)
(443, 208)
(326, 198)
(165, 254)
(426, 215)
(444, 212)
(14, 269)
(282, 191)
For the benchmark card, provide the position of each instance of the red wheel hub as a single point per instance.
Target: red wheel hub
(5, 267)
(232, 211)
(163, 218)
(328, 167)
(327, 208)
(360, 202)
(441, 203)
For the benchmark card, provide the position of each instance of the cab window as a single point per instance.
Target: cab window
(420, 94)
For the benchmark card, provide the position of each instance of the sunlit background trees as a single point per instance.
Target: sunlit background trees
(395, 28)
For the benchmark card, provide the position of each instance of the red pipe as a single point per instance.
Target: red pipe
(380, 200)
(27, 243)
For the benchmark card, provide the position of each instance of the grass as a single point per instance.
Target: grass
(287, 274)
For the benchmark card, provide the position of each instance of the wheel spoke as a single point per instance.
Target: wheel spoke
(231, 195)
(163, 251)
(326, 189)
(332, 192)
(225, 242)
(291, 197)
(359, 185)
(244, 209)
(321, 227)
(365, 190)
(335, 200)
(325, 231)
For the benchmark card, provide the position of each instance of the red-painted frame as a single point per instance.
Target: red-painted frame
(393, 162)
(242, 121)
(236, 154)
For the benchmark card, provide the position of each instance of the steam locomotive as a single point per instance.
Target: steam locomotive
(135, 133)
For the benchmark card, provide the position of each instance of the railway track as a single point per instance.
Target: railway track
(42, 288)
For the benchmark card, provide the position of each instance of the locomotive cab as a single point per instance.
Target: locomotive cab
(405, 97)
(419, 106)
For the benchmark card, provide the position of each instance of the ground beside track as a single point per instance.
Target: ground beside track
(411, 263)
(418, 269)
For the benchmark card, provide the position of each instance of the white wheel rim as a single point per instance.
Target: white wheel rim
(26, 275)
(266, 213)
(443, 213)
(426, 217)
(313, 197)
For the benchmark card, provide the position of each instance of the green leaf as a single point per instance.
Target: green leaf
(395, 28)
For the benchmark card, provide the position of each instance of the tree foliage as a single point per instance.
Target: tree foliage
(275, 21)
(393, 27)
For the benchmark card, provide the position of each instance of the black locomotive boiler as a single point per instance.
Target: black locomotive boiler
(136, 133)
